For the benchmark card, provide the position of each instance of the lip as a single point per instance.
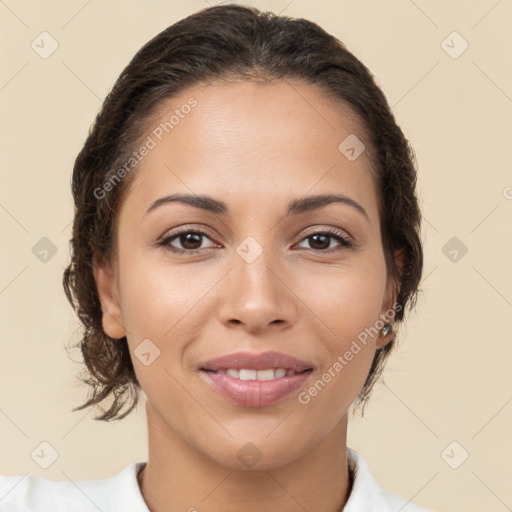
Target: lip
(263, 361)
(254, 393)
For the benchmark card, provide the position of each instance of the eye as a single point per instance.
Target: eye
(322, 240)
(190, 240)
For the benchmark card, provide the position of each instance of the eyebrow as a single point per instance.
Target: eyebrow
(295, 207)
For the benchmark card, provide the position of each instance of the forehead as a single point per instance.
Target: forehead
(255, 141)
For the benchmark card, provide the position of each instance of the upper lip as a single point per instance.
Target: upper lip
(264, 361)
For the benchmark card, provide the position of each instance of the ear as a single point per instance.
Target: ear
(108, 292)
(392, 289)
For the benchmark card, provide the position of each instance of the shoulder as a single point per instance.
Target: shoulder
(366, 494)
(30, 493)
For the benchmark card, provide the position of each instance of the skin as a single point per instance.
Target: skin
(256, 147)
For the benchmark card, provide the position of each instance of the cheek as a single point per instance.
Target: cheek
(350, 306)
(349, 299)
(158, 299)
(169, 306)
(338, 382)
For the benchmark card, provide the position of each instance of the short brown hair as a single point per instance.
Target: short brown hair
(227, 41)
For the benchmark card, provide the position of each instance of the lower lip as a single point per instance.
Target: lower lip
(255, 393)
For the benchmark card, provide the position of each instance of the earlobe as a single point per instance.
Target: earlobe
(386, 335)
(106, 284)
(399, 256)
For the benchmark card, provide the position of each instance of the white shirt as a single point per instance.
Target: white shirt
(121, 493)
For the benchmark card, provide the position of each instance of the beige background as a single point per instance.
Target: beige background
(450, 380)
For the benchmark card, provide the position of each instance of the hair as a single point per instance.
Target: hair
(225, 42)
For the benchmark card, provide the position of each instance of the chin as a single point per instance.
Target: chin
(257, 452)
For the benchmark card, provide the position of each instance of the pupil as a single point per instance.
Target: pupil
(190, 238)
(325, 239)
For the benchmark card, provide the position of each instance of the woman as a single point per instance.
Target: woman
(245, 242)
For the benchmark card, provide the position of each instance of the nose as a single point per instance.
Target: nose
(258, 294)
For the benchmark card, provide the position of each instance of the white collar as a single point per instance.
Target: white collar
(31, 493)
(366, 494)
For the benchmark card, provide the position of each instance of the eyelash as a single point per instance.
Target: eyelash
(345, 242)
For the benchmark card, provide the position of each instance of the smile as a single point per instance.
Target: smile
(248, 374)
(255, 380)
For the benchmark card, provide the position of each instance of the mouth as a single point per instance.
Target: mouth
(256, 380)
(261, 375)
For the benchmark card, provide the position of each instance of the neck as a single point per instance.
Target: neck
(178, 477)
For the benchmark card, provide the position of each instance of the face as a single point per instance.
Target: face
(253, 268)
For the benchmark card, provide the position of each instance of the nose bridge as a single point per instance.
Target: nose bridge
(255, 293)
(253, 264)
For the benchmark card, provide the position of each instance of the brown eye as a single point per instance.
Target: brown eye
(321, 240)
(189, 240)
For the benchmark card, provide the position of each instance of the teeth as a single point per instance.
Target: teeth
(246, 374)
(265, 375)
